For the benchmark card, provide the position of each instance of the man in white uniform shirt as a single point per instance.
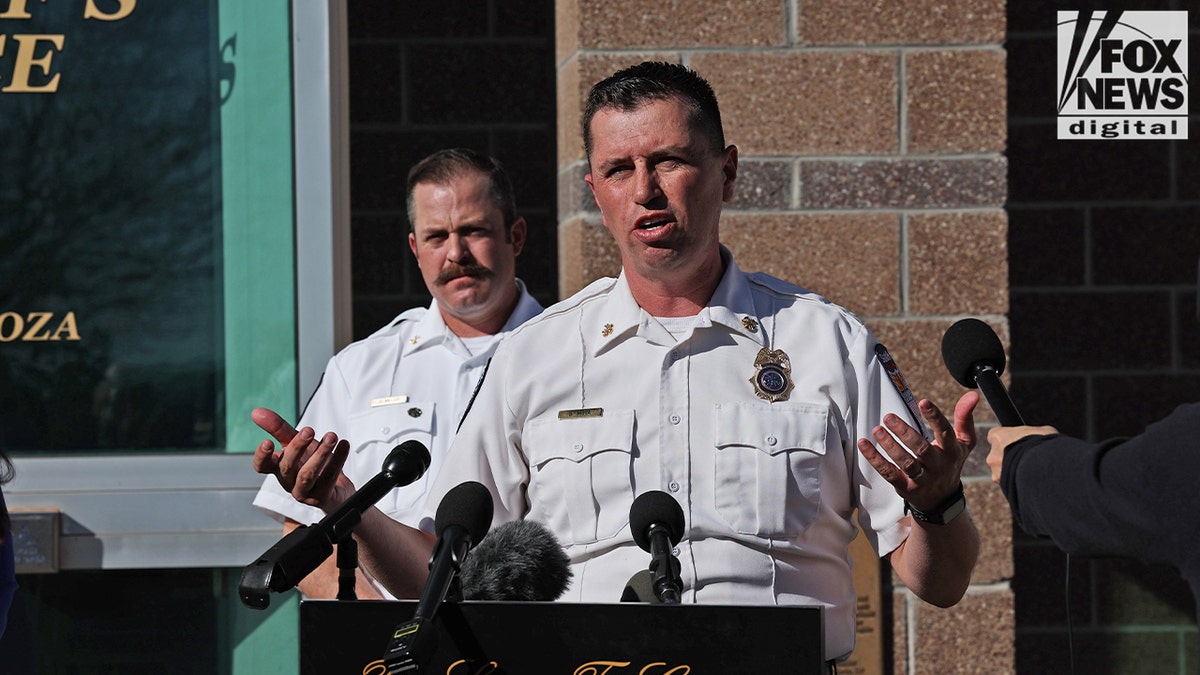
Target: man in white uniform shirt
(413, 379)
(740, 395)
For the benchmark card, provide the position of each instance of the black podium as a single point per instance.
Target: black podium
(548, 638)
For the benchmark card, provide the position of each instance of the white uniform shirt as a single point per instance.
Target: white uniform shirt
(411, 380)
(767, 488)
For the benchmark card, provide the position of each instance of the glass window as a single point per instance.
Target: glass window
(146, 286)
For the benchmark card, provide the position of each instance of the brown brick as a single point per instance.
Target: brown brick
(916, 345)
(908, 184)
(566, 30)
(850, 259)
(586, 253)
(993, 519)
(880, 22)
(974, 636)
(955, 101)
(651, 24)
(789, 103)
(958, 263)
(900, 632)
(762, 185)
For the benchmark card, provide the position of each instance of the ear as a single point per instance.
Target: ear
(730, 169)
(517, 233)
(412, 244)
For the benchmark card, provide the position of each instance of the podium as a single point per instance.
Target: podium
(548, 638)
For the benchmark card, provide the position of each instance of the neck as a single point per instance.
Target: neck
(675, 294)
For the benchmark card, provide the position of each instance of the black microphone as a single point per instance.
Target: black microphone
(975, 358)
(656, 520)
(303, 549)
(462, 518)
(519, 560)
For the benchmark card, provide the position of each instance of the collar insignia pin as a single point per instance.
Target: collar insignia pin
(772, 375)
(608, 329)
(750, 324)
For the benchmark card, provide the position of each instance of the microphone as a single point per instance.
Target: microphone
(306, 547)
(519, 560)
(462, 519)
(975, 358)
(656, 520)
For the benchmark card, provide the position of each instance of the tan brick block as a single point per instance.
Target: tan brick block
(882, 22)
(958, 263)
(654, 24)
(797, 103)
(566, 30)
(849, 258)
(586, 252)
(900, 632)
(956, 101)
(575, 79)
(973, 637)
(916, 345)
(993, 519)
(927, 183)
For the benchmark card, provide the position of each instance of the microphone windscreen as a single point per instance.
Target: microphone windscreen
(968, 343)
(467, 505)
(521, 560)
(654, 507)
(406, 463)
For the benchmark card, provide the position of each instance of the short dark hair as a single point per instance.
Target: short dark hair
(632, 87)
(445, 165)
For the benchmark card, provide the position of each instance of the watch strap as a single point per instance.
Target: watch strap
(943, 513)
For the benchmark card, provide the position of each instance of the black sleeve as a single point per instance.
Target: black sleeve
(1122, 497)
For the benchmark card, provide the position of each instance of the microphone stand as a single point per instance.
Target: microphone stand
(347, 563)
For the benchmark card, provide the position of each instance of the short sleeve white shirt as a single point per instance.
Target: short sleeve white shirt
(411, 380)
(594, 402)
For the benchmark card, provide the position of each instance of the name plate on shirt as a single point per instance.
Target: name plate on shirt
(580, 413)
(388, 400)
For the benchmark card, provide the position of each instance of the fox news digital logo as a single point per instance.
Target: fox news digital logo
(1122, 75)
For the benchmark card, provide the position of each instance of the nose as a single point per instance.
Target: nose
(646, 188)
(457, 251)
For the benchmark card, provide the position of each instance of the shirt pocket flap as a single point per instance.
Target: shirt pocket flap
(577, 439)
(772, 428)
(390, 424)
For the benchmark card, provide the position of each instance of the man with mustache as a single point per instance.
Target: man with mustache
(413, 379)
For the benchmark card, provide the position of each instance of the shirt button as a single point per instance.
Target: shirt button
(675, 551)
(579, 447)
(674, 355)
(675, 419)
(673, 486)
(385, 431)
(771, 440)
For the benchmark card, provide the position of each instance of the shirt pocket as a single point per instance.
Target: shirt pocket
(375, 432)
(580, 473)
(768, 466)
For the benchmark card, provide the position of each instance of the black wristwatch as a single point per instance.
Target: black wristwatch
(943, 513)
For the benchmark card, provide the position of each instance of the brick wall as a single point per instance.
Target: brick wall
(1103, 246)
(871, 139)
(427, 75)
